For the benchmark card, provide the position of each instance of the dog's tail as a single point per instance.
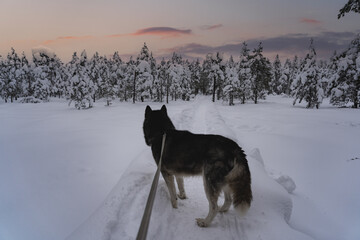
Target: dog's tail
(239, 181)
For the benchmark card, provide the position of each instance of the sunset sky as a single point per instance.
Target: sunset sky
(192, 28)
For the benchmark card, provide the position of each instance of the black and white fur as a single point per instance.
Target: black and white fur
(220, 161)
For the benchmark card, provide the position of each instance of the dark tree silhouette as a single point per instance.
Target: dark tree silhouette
(351, 5)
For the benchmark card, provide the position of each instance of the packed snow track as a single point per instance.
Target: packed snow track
(120, 215)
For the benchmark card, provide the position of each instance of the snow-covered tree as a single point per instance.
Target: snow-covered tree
(11, 77)
(332, 73)
(260, 74)
(130, 79)
(286, 79)
(175, 72)
(47, 66)
(244, 73)
(275, 86)
(185, 82)
(80, 88)
(94, 67)
(2, 75)
(28, 80)
(108, 84)
(346, 85)
(204, 75)
(117, 74)
(162, 79)
(216, 74)
(143, 75)
(231, 81)
(308, 81)
(195, 69)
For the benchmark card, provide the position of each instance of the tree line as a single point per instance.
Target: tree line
(251, 77)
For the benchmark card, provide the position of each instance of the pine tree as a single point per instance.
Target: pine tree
(46, 67)
(346, 85)
(143, 75)
(80, 84)
(285, 80)
(108, 85)
(332, 73)
(205, 81)
(185, 82)
(94, 66)
(154, 85)
(130, 78)
(11, 77)
(295, 65)
(350, 6)
(2, 76)
(244, 74)
(175, 72)
(260, 74)
(28, 80)
(275, 87)
(57, 76)
(195, 69)
(117, 74)
(216, 74)
(308, 81)
(231, 81)
(162, 77)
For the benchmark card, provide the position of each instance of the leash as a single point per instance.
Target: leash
(143, 229)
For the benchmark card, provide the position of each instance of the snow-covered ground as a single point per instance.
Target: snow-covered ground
(69, 174)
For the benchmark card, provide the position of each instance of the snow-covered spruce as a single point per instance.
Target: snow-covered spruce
(307, 85)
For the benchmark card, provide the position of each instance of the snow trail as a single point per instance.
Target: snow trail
(120, 215)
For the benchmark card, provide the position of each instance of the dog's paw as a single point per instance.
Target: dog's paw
(201, 222)
(174, 204)
(223, 209)
(182, 196)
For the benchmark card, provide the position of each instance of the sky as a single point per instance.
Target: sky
(192, 28)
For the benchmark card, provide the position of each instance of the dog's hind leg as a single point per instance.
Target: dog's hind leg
(227, 203)
(212, 191)
(180, 183)
(169, 179)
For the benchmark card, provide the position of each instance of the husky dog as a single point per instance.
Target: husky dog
(220, 161)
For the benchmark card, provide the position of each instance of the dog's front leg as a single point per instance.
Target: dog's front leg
(169, 179)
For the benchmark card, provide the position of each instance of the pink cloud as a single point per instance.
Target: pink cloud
(51, 41)
(310, 21)
(157, 31)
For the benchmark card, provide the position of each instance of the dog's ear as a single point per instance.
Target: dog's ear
(147, 111)
(163, 109)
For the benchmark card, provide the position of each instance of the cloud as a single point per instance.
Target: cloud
(211, 27)
(156, 31)
(325, 44)
(310, 21)
(162, 31)
(51, 41)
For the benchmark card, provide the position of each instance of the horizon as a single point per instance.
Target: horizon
(190, 29)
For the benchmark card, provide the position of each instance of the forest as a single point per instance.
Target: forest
(250, 77)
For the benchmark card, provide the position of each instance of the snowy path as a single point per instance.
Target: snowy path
(120, 214)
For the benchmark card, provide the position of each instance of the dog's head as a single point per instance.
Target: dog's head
(156, 123)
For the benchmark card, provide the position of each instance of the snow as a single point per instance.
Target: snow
(144, 66)
(69, 174)
(286, 182)
(38, 51)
